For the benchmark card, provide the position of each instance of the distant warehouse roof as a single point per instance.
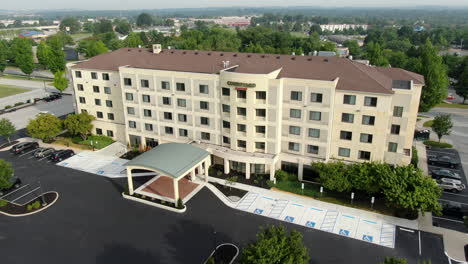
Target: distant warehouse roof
(353, 76)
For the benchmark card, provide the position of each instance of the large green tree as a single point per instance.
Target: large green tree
(275, 245)
(333, 176)
(7, 128)
(43, 52)
(123, 27)
(144, 20)
(92, 48)
(461, 88)
(71, 23)
(375, 54)
(133, 40)
(60, 81)
(22, 52)
(45, 127)
(56, 57)
(79, 124)
(442, 125)
(6, 172)
(3, 56)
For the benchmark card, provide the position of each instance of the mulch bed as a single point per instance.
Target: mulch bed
(14, 209)
(229, 191)
(130, 155)
(258, 181)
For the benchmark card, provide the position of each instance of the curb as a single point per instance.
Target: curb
(175, 210)
(31, 213)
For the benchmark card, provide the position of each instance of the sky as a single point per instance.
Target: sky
(160, 4)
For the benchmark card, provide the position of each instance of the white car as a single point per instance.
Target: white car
(451, 185)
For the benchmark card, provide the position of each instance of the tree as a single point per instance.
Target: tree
(3, 56)
(72, 23)
(442, 125)
(333, 176)
(394, 261)
(6, 173)
(462, 86)
(60, 81)
(133, 40)
(43, 53)
(353, 47)
(123, 27)
(315, 28)
(79, 124)
(144, 20)
(374, 54)
(45, 127)
(274, 245)
(56, 55)
(22, 52)
(92, 48)
(103, 26)
(7, 128)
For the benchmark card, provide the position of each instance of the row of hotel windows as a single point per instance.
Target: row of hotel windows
(97, 102)
(109, 133)
(94, 75)
(367, 138)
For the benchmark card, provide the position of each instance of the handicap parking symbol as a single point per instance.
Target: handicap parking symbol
(289, 219)
(65, 164)
(310, 224)
(258, 211)
(100, 172)
(344, 232)
(367, 238)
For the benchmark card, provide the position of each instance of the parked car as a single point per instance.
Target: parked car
(422, 134)
(444, 161)
(451, 185)
(444, 173)
(452, 208)
(53, 97)
(61, 155)
(15, 184)
(43, 152)
(450, 97)
(23, 147)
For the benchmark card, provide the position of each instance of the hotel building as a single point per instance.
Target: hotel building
(254, 113)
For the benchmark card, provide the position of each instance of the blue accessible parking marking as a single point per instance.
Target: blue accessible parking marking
(289, 219)
(100, 172)
(310, 224)
(367, 238)
(344, 232)
(258, 211)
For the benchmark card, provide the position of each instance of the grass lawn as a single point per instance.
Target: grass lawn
(8, 90)
(20, 77)
(437, 144)
(428, 123)
(99, 142)
(462, 106)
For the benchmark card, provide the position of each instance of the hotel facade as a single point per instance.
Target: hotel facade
(254, 113)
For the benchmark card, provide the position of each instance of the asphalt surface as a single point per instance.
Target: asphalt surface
(92, 223)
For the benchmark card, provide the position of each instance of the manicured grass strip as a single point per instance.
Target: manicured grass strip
(8, 90)
(445, 105)
(428, 123)
(437, 144)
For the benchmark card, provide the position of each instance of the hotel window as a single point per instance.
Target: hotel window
(349, 99)
(225, 91)
(146, 98)
(99, 114)
(166, 101)
(147, 112)
(107, 90)
(395, 129)
(296, 96)
(346, 135)
(84, 111)
(95, 89)
(180, 87)
(131, 124)
(314, 115)
(260, 129)
(181, 102)
(366, 138)
(110, 133)
(392, 147)
(144, 83)
(148, 127)
(110, 116)
(183, 132)
(226, 140)
(294, 130)
(314, 133)
(398, 111)
(312, 149)
(260, 95)
(182, 117)
(105, 76)
(129, 96)
(205, 136)
(364, 155)
(203, 88)
(94, 75)
(344, 152)
(241, 111)
(165, 85)
(169, 130)
(167, 115)
(127, 82)
(226, 124)
(295, 113)
(293, 146)
(82, 100)
(204, 121)
(241, 143)
(204, 105)
(316, 97)
(130, 110)
(241, 94)
(370, 101)
(368, 120)
(97, 101)
(347, 118)
(226, 108)
(79, 87)
(98, 131)
(108, 103)
(260, 112)
(241, 128)
(77, 74)
(260, 145)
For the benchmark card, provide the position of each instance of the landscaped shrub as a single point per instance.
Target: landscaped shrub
(3, 203)
(36, 205)
(8, 107)
(19, 103)
(437, 144)
(180, 204)
(414, 157)
(29, 207)
(282, 175)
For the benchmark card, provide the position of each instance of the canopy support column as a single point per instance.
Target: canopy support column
(130, 180)
(176, 190)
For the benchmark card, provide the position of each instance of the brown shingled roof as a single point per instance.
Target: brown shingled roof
(352, 75)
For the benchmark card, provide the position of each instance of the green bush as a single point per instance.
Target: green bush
(414, 157)
(19, 103)
(282, 175)
(428, 123)
(29, 207)
(36, 205)
(3, 203)
(180, 204)
(437, 144)
(8, 107)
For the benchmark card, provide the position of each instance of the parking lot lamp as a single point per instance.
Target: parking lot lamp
(44, 203)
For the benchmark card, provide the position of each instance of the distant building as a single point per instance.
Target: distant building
(228, 21)
(326, 54)
(419, 29)
(7, 22)
(342, 51)
(340, 27)
(36, 35)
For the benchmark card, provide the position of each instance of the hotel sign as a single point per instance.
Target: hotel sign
(241, 85)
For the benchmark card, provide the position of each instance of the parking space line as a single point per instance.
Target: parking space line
(419, 235)
(456, 194)
(43, 158)
(26, 153)
(452, 201)
(14, 191)
(37, 188)
(448, 219)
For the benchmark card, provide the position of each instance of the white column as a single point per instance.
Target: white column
(205, 163)
(200, 169)
(176, 190)
(130, 180)
(247, 170)
(192, 175)
(272, 172)
(226, 166)
(300, 169)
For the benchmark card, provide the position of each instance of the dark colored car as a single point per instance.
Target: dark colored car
(23, 147)
(443, 161)
(61, 155)
(423, 134)
(15, 184)
(53, 97)
(455, 209)
(445, 173)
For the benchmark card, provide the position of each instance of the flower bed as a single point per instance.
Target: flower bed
(30, 207)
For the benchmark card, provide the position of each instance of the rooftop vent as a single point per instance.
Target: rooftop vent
(278, 57)
(157, 48)
(129, 50)
(172, 52)
(209, 53)
(139, 50)
(196, 53)
(326, 60)
(222, 54)
(235, 55)
(309, 59)
(293, 58)
(248, 56)
(184, 52)
(263, 56)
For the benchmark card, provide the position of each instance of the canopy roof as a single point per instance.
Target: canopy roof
(170, 159)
